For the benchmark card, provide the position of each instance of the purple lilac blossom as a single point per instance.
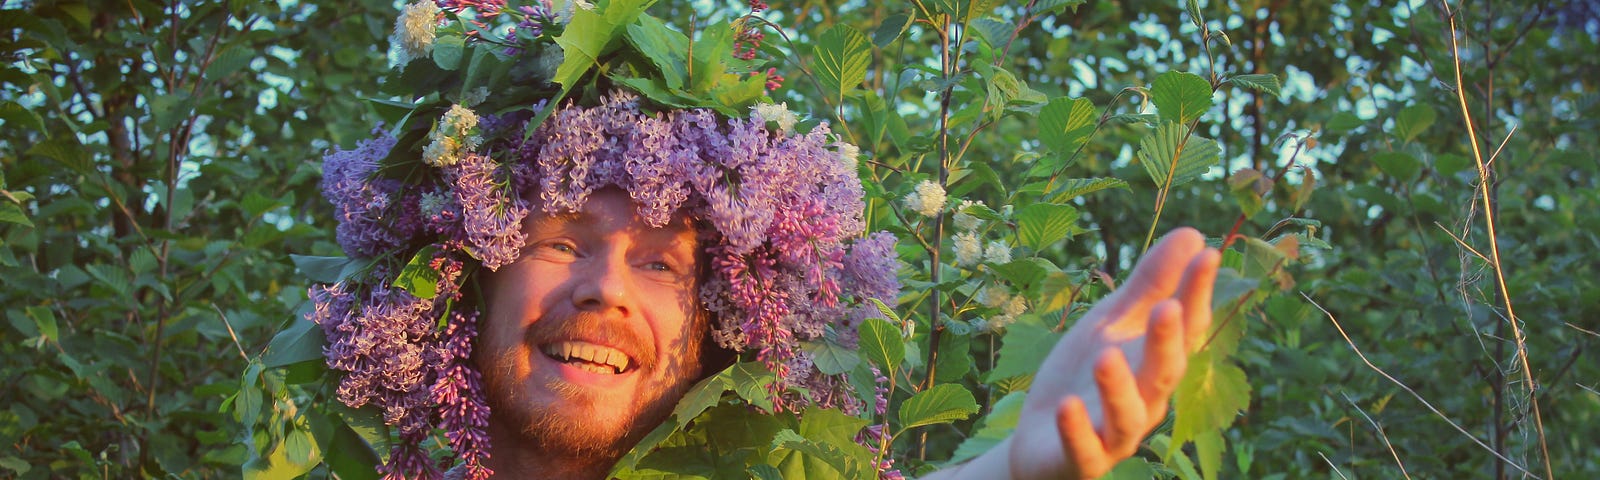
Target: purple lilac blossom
(370, 210)
(463, 413)
(492, 217)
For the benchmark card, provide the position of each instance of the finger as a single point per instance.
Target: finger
(1078, 438)
(1155, 277)
(1199, 280)
(1164, 358)
(1124, 408)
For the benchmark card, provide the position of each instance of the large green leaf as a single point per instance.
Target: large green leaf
(589, 34)
(1400, 165)
(1180, 96)
(842, 56)
(992, 429)
(1414, 120)
(666, 48)
(1208, 398)
(943, 403)
(830, 357)
(1042, 224)
(1170, 160)
(881, 344)
(1065, 124)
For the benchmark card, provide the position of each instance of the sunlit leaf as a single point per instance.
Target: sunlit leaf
(1022, 350)
(881, 344)
(1414, 120)
(1042, 224)
(1070, 188)
(943, 403)
(1209, 398)
(1065, 124)
(842, 56)
(1180, 96)
(1170, 160)
(1261, 82)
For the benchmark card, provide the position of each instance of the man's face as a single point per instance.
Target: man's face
(593, 334)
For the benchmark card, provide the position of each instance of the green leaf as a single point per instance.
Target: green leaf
(1450, 164)
(890, 29)
(1208, 449)
(1051, 6)
(1065, 124)
(700, 397)
(843, 464)
(1071, 188)
(301, 342)
(830, 357)
(1024, 272)
(1133, 468)
(349, 456)
(992, 429)
(1171, 161)
(448, 51)
(765, 472)
(66, 150)
(1180, 96)
(18, 117)
(45, 320)
(1343, 122)
(1022, 350)
(589, 34)
(944, 403)
(229, 60)
(418, 277)
(1400, 165)
(666, 48)
(321, 269)
(1414, 120)
(12, 213)
(881, 344)
(1208, 398)
(1260, 82)
(709, 57)
(841, 59)
(1042, 224)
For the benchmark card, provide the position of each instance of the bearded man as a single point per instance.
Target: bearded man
(545, 282)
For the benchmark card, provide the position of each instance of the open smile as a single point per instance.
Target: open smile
(590, 357)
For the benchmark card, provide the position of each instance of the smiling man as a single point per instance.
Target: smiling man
(591, 338)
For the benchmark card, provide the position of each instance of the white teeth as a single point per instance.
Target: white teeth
(595, 358)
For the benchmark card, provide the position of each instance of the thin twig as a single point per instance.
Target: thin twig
(1461, 243)
(1484, 183)
(1330, 464)
(1408, 389)
(1381, 435)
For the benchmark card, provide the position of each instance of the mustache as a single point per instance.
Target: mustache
(594, 328)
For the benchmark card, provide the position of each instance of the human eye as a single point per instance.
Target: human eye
(659, 266)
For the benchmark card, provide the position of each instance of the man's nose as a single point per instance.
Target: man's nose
(603, 284)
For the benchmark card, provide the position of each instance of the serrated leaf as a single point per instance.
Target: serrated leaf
(349, 456)
(846, 465)
(1343, 122)
(1050, 6)
(831, 358)
(1414, 120)
(841, 58)
(18, 117)
(709, 55)
(1208, 448)
(1171, 161)
(229, 60)
(890, 29)
(1260, 82)
(1024, 272)
(1208, 398)
(1042, 224)
(943, 403)
(764, 472)
(1065, 124)
(1180, 96)
(1400, 165)
(881, 344)
(12, 213)
(1022, 350)
(1071, 188)
(66, 150)
(666, 48)
(700, 397)
(590, 33)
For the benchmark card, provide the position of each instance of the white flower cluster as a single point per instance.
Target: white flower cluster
(968, 249)
(414, 31)
(964, 221)
(452, 137)
(928, 199)
(779, 113)
(997, 252)
(848, 154)
(1011, 306)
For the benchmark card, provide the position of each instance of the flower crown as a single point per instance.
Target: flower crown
(444, 192)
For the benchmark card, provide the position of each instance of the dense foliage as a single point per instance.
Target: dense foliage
(1405, 296)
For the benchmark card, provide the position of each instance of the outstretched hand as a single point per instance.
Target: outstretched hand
(1106, 384)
